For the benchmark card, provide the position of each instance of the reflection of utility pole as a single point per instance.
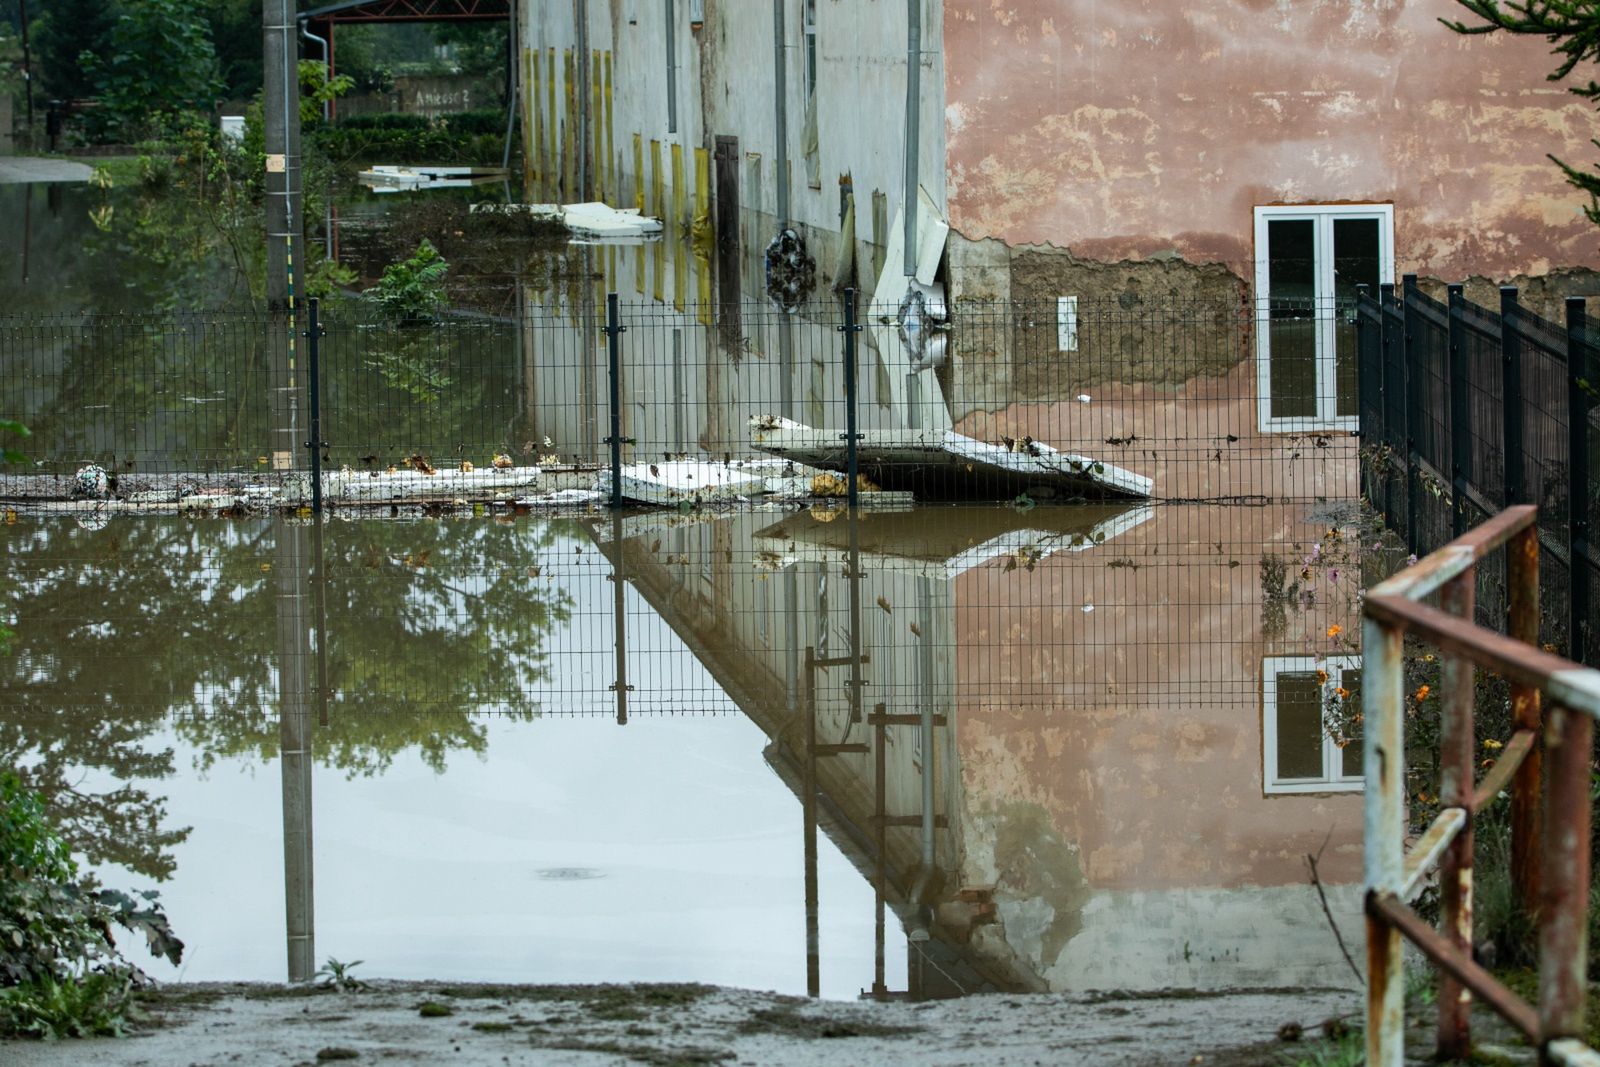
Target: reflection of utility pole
(285, 224)
(291, 562)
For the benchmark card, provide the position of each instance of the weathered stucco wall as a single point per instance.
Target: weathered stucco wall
(1125, 129)
(1141, 775)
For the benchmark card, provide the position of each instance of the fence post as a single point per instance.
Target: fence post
(1408, 288)
(1394, 391)
(1578, 388)
(1460, 412)
(1516, 487)
(1456, 766)
(1383, 758)
(314, 371)
(1564, 910)
(1369, 382)
(1522, 624)
(851, 436)
(614, 330)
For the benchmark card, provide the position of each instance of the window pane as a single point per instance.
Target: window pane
(1299, 725)
(1292, 339)
(1350, 761)
(1356, 249)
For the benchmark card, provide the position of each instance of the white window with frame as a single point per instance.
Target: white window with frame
(1301, 751)
(1309, 260)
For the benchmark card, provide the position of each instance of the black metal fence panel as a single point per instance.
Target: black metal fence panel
(1470, 409)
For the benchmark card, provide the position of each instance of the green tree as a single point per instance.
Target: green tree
(1573, 29)
(236, 35)
(479, 50)
(65, 30)
(158, 63)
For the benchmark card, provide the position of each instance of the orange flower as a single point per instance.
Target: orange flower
(1335, 630)
(1322, 677)
(1422, 692)
(1341, 692)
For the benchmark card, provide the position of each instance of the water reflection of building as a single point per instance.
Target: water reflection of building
(1059, 754)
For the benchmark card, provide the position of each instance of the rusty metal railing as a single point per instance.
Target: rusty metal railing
(1552, 882)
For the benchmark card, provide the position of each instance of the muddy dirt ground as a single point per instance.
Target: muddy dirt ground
(469, 1025)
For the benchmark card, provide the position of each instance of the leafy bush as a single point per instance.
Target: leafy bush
(317, 89)
(401, 138)
(384, 121)
(413, 289)
(411, 292)
(60, 972)
(490, 121)
(11, 428)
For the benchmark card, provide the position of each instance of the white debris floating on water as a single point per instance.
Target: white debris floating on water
(392, 179)
(592, 221)
(90, 483)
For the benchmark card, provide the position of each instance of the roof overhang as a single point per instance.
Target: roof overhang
(408, 11)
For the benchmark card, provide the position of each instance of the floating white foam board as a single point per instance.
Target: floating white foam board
(414, 485)
(602, 220)
(898, 459)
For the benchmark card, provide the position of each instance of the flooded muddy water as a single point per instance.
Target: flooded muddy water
(1061, 747)
(924, 751)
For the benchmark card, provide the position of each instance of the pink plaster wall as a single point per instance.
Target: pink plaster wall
(1123, 128)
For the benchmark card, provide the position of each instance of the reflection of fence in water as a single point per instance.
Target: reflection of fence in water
(1053, 608)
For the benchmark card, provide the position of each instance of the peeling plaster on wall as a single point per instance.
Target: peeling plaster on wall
(1544, 294)
(1158, 795)
(1150, 119)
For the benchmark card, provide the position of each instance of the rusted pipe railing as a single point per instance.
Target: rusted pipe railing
(1556, 895)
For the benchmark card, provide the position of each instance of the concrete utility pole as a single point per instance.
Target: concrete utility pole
(285, 224)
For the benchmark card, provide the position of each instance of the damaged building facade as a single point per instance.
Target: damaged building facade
(1145, 217)
(1086, 155)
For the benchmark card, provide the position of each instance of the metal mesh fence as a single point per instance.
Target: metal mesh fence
(981, 401)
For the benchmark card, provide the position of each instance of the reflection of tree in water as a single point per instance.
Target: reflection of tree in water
(125, 825)
(122, 629)
(427, 623)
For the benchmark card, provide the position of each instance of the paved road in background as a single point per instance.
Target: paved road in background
(15, 170)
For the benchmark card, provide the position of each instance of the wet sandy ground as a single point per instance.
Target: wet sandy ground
(421, 1022)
